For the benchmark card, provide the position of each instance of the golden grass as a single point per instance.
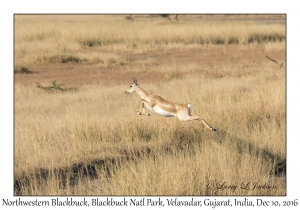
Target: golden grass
(50, 38)
(96, 130)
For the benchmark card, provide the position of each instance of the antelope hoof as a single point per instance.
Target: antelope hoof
(139, 113)
(147, 114)
(212, 129)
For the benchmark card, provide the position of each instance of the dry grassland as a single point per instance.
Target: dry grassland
(80, 135)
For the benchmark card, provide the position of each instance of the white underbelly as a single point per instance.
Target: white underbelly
(162, 112)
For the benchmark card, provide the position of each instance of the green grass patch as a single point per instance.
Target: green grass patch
(56, 86)
(261, 38)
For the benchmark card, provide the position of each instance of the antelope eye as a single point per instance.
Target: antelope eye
(130, 86)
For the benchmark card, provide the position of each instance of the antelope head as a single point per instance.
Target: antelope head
(132, 87)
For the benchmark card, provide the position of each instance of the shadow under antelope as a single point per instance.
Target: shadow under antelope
(163, 107)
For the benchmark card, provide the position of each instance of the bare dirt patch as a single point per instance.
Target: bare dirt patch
(78, 74)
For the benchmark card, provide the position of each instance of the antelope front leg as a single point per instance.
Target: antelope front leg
(144, 113)
(142, 101)
(137, 108)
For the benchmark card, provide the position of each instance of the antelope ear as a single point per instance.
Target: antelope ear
(134, 80)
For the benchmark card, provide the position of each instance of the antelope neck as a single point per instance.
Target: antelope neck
(141, 92)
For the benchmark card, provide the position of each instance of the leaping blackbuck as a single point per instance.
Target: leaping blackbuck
(163, 107)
